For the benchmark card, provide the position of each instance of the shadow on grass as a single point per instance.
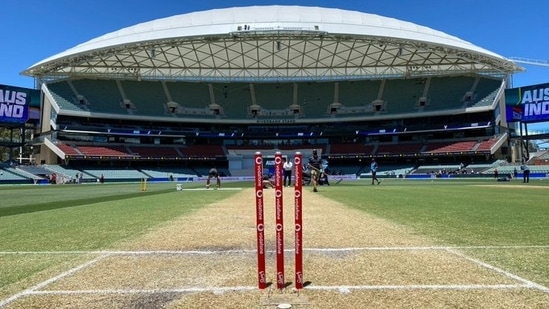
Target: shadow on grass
(16, 210)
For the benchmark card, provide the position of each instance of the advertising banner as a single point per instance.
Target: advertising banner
(527, 104)
(17, 104)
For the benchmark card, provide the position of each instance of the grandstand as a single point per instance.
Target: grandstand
(180, 94)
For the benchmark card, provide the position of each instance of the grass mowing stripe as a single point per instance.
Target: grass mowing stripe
(26, 195)
(115, 213)
(99, 224)
(16, 210)
(457, 214)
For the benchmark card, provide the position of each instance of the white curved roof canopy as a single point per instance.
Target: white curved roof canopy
(266, 43)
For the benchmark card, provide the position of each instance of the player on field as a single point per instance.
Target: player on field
(213, 174)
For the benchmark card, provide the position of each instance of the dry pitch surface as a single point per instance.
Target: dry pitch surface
(351, 260)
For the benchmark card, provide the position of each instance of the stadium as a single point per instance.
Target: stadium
(173, 95)
(152, 107)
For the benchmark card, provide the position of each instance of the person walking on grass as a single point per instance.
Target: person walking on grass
(373, 170)
(315, 165)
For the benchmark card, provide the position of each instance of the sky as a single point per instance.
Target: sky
(36, 29)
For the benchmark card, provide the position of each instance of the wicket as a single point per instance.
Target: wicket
(279, 221)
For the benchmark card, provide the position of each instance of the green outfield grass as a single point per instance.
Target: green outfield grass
(89, 217)
(467, 213)
(482, 215)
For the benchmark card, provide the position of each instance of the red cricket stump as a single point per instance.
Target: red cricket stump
(298, 186)
(279, 215)
(260, 222)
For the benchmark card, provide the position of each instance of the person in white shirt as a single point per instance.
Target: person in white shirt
(287, 166)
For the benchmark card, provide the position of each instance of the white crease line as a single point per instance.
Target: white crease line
(206, 252)
(152, 252)
(34, 290)
(501, 271)
(150, 291)
(341, 288)
(212, 189)
(419, 287)
(427, 248)
(51, 280)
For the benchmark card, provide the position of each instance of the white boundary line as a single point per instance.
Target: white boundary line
(219, 290)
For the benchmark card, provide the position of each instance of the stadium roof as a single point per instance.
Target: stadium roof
(272, 43)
